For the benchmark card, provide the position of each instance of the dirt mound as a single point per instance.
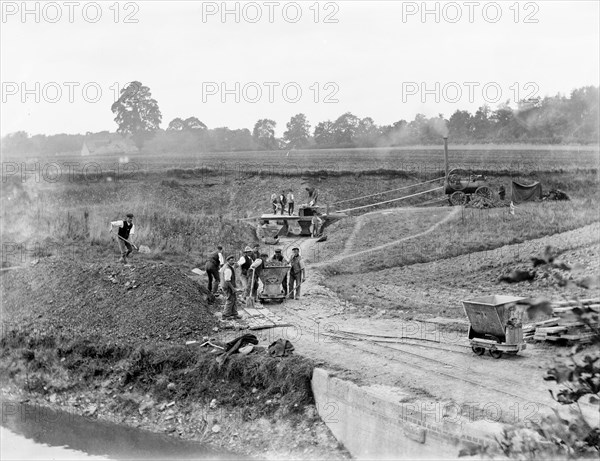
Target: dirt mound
(134, 304)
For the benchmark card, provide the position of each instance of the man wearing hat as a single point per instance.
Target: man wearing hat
(126, 229)
(228, 284)
(278, 257)
(245, 262)
(296, 273)
(212, 269)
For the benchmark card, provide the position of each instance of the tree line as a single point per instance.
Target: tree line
(551, 120)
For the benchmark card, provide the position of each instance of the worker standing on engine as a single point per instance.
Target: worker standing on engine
(290, 202)
(274, 202)
(283, 202)
(313, 195)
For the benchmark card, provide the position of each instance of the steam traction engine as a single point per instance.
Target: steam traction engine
(462, 186)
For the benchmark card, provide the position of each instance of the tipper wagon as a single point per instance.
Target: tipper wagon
(495, 325)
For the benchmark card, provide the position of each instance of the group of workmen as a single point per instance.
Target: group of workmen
(224, 271)
(284, 202)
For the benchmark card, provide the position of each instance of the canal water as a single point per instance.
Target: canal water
(34, 432)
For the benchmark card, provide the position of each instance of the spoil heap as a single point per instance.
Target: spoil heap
(142, 303)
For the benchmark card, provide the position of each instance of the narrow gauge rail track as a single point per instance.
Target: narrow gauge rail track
(464, 375)
(488, 386)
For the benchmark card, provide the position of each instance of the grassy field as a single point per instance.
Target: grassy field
(470, 231)
(420, 160)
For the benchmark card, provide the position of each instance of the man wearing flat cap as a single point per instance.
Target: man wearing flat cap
(228, 285)
(126, 230)
(297, 274)
(245, 262)
(279, 258)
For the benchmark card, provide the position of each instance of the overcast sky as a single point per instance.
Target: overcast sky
(379, 59)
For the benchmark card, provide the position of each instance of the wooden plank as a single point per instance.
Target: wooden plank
(578, 335)
(577, 301)
(551, 330)
(548, 323)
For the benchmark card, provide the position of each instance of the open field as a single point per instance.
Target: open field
(415, 159)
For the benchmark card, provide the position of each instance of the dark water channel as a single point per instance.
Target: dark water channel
(37, 432)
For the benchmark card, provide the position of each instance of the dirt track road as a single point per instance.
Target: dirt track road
(429, 360)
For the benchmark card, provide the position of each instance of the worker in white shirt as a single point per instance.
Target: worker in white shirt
(229, 288)
(244, 264)
(126, 230)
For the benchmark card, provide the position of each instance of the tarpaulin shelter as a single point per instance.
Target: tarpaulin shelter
(526, 193)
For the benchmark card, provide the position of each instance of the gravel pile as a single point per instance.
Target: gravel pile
(144, 302)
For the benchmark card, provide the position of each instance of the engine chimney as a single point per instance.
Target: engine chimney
(446, 155)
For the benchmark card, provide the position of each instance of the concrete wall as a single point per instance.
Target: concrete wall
(379, 422)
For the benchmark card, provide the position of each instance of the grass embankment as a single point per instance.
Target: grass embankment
(179, 224)
(471, 231)
(252, 405)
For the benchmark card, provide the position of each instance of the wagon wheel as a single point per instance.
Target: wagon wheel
(485, 193)
(495, 353)
(458, 179)
(478, 350)
(458, 198)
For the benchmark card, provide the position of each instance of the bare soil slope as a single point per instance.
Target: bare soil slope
(406, 327)
(145, 302)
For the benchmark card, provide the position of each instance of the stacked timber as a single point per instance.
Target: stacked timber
(564, 325)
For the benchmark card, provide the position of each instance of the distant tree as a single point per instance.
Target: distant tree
(393, 135)
(189, 124)
(298, 132)
(323, 134)
(264, 134)
(584, 106)
(367, 133)
(17, 143)
(418, 129)
(460, 125)
(193, 123)
(345, 129)
(177, 124)
(137, 113)
(481, 123)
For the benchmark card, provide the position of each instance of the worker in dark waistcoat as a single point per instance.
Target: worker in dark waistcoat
(126, 230)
